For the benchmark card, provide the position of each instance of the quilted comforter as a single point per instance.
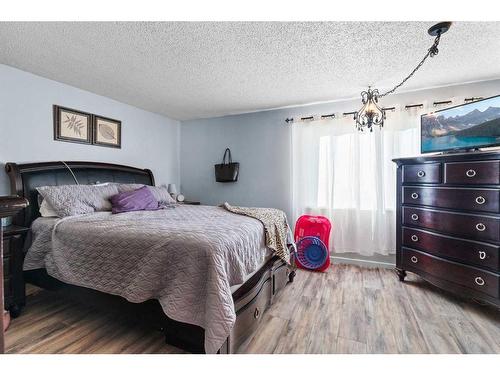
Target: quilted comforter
(186, 257)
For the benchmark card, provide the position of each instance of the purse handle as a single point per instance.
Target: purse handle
(227, 152)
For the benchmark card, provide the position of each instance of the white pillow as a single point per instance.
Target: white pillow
(46, 209)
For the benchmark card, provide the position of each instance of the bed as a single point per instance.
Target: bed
(203, 272)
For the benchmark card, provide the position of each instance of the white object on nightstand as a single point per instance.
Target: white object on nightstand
(180, 198)
(172, 189)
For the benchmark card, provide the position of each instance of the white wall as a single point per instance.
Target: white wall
(26, 128)
(261, 143)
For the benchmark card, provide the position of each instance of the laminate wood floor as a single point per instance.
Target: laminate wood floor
(349, 309)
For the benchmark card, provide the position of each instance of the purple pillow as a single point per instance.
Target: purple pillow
(136, 200)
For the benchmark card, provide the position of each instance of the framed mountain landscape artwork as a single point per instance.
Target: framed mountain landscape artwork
(71, 125)
(107, 132)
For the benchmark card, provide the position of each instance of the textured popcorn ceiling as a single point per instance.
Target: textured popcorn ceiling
(207, 69)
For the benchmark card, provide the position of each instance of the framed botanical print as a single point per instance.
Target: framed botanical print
(71, 125)
(107, 132)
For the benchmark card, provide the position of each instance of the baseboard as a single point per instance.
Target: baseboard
(335, 259)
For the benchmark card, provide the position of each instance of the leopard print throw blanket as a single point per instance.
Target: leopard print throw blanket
(275, 227)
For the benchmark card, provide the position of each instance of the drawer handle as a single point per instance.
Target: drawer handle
(482, 255)
(256, 313)
(414, 259)
(414, 238)
(414, 217)
(414, 195)
(479, 281)
(480, 200)
(470, 173)
(420, 173)
(480, 227)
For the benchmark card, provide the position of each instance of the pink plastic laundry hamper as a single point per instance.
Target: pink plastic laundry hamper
(312, 236)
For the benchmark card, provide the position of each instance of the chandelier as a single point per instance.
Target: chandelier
(370, 113)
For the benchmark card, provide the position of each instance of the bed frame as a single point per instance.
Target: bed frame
(250, 300)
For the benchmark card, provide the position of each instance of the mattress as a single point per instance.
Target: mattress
(190, 258)
(43, 234)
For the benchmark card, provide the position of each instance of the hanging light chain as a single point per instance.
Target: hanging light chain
(433, 51)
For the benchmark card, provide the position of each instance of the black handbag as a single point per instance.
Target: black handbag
(227, 171)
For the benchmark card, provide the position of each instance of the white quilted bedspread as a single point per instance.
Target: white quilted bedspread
(186, 257)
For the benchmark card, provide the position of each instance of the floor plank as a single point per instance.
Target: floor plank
(378, 311)
(344, 346)
(348, 309)
(267, 336)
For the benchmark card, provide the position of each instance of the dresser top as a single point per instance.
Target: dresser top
(10, 205)
(13, 229)
(463, 156)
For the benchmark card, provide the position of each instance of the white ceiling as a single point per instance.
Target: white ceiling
(188, 70)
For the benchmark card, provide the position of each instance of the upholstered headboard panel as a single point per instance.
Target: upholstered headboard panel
(25, 178)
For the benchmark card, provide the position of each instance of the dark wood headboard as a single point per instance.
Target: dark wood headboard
(25, 178)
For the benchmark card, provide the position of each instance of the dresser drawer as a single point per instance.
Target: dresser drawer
(6, 247)
(481, 228)
(486, 200)
(470, 252)
(280, 278)
(471, 277)
(6, 267)
(480, 172)
(424, 173)
(250, 315)
(7, 290)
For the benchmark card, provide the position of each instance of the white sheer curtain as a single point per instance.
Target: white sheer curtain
(349, 177)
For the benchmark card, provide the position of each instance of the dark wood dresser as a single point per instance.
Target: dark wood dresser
(13, 257)
(9, 206)
(448, 222)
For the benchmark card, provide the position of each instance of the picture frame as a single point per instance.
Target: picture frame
(107, 132)
(71, 125)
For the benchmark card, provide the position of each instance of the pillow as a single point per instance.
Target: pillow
(162, 195)
(70, 200)
(46, 209)
(128, 187)
(136, 200)
(160, 192)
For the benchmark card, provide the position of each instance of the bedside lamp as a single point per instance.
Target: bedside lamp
(172, 189)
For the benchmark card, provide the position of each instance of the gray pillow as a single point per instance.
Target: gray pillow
(160, 192)
(70, 200)
(122, 188)
(162, 195)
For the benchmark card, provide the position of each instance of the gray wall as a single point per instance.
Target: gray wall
(148, 140)
(261, 143)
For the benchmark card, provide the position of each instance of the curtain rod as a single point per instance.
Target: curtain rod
(349, 113)
(311, 118)
(435, 104)
(472, 99)
(410, 106)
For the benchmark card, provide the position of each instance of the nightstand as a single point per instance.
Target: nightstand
(13, 257)
(194, 203)
(9, 206)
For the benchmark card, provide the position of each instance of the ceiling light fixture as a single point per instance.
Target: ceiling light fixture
(370, 113)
